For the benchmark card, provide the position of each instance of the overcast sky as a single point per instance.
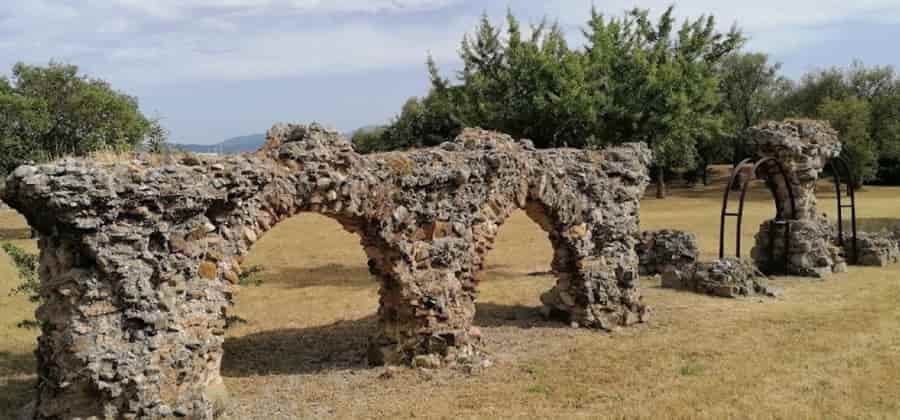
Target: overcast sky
(214, 69)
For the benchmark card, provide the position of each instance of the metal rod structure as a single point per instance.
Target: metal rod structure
(838, 165)
(781, 218)
(731, 181)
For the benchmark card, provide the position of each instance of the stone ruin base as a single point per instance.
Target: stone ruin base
(666, 249)
(876, 249)
(675, 255)
(729, 277)
(812, 252)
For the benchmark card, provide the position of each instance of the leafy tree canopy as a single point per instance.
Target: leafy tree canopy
(50, 112)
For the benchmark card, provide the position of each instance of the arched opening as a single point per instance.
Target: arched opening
(309, 307)
(772, 249)
(530, 271)
(517, 270)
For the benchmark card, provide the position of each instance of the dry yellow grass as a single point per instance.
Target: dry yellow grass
(825, 350)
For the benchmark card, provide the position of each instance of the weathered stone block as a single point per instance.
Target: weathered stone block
(875, 249)
(729, 277)
(661, 250)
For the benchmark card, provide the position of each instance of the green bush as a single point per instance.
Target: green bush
(250, 276)
(27, 266)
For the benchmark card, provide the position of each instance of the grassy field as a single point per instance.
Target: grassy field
(826, 349)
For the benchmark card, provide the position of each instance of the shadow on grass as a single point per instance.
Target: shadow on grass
(15, 394)
(526, 317)
(325, 275)
(17, 382)
(8, 234)
(16, 364)
(339, 346)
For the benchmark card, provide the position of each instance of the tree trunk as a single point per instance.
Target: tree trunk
(705, 175)
(661, 182)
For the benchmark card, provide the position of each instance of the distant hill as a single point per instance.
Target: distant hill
(243, 144)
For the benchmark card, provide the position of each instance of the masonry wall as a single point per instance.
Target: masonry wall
(138, 259)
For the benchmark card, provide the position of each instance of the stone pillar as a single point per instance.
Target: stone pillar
(123, 337)
(804, 148)
(427, 300)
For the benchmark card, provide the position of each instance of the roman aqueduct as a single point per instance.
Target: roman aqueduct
(138, 260)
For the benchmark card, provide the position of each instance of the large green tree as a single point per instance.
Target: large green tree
(863, 103)
(851, 117)
(750, 86)
(53, 111)
(659, 82)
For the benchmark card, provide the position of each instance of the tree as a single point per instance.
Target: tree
(50, 112)
(635, 80)
(157, 137)
(660, 84)
(369, 139)
(863, 103)
(851, 118)
(749, 86)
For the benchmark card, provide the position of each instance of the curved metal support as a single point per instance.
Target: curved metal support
(731, 181)
(780, 217)
(837, 169)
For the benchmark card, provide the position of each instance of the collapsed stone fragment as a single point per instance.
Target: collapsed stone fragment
(876, 249)
(661, 250)
(728, 277)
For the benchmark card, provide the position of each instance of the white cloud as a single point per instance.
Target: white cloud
(774, 25)
(370, 6)
(149, 41)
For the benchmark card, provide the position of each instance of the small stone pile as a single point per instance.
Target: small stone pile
(804, 148)
(876, 249)
(662, 250)
(729, 277)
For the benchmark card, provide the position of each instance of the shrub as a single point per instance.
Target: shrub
(250, 276)
(27, 266)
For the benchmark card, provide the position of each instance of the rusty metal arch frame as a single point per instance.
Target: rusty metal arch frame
(780, 217)
(839, 167)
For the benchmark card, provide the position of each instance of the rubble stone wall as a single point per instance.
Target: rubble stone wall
(876, 249)
(728, 277)
(138, 260)
(665, 249)
(804, 148)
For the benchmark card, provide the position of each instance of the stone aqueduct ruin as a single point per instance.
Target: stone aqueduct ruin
(138, 260)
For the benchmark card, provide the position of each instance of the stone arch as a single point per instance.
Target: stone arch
(496, 214)
(777, 180)
(803, 148)
(138, 258)
(592, 225)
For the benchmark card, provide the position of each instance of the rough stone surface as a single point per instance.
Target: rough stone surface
(138, 259)
(876, 249)
(804, 148)
(660, 250)
(729, 277)
(812, 252)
